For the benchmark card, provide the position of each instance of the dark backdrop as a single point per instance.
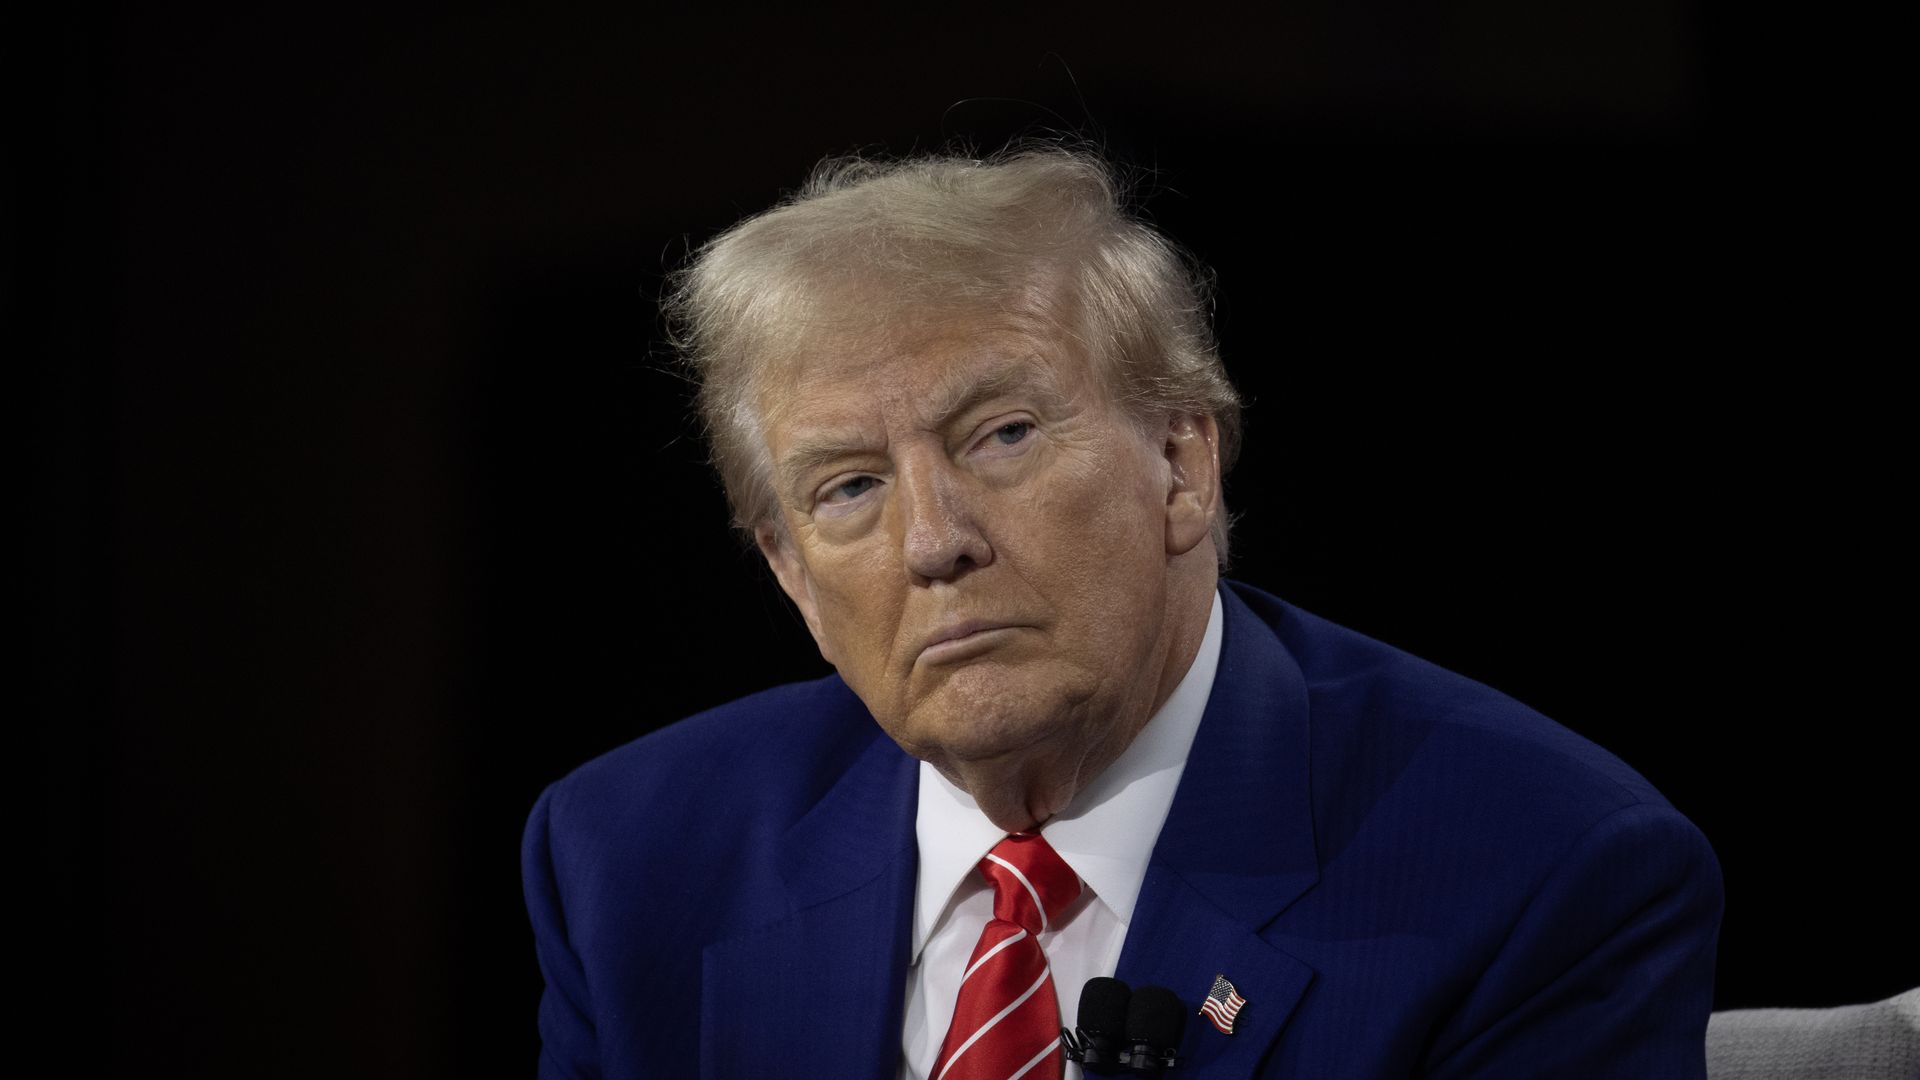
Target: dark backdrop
(363, 503)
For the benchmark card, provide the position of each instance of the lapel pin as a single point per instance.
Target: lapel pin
(1222, 1005)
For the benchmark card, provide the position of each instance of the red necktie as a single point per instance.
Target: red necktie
(1006, 1023)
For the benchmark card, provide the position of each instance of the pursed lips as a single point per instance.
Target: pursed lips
(959, 640)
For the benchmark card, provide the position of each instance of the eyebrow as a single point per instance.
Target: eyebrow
(808, 456)
(952, 398)
(1021, 373)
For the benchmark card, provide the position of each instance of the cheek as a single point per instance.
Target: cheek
(1099, 547)
(1114, 511)
(859, 612)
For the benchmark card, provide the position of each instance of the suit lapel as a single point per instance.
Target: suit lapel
(1236, 850)
(820, 992)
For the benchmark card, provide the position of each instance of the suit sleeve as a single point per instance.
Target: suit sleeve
(568, 1044)
(1608, 971)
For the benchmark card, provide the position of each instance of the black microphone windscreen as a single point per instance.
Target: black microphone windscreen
(1155, 1017)
(1103, 1007)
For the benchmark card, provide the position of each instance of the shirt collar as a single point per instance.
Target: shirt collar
(1106, 833)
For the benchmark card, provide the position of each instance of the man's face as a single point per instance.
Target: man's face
(978, 538)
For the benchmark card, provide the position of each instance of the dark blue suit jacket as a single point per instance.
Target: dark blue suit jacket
(1404, 872)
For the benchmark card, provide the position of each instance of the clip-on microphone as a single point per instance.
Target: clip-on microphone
(1138, 1031)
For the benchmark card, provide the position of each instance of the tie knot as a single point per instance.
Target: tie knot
(1031, 883)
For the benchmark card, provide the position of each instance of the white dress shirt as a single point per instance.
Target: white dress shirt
(1106, 834)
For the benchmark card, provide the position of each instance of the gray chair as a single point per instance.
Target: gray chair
(1880, 1041)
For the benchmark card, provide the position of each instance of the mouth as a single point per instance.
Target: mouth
(964, 641)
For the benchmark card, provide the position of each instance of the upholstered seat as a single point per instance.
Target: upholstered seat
(1879, 1041)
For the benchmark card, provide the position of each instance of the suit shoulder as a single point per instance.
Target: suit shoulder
(778, 748)
(1382, 712)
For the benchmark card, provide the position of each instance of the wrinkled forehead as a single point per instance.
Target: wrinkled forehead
(921, 353)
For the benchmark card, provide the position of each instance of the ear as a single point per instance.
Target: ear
(1193, 494)
(794, 580)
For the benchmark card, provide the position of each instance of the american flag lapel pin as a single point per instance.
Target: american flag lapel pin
(1222, 1005)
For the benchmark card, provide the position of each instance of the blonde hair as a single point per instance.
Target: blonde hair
(1041, 232)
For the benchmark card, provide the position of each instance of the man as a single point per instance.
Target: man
(972, 415)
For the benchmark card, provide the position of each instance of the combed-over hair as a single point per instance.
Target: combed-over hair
(1040, 233)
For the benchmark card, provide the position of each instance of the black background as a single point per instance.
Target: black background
(363, 502)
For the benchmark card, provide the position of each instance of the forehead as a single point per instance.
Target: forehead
(918, 369)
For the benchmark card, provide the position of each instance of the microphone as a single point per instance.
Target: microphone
(1121, 1029)
(1095, 1044)
(1155, 1021)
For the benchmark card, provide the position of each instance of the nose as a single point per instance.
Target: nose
(940, 534)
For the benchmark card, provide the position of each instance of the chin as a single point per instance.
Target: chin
(975, 716)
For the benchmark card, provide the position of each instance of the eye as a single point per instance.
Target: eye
(1010, 434)
(1005, 440)
(849, 490)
